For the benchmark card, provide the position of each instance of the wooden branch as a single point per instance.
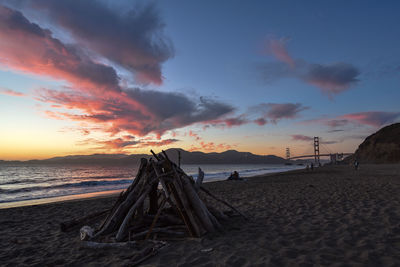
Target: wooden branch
(156, 218)
(124, 225)
(198, 206)
(124, 195)
(123, 208)
(179, 207)
(187, 209)
(153, 197)
(217, 214)
(222, 201)
(155, 155)
(199, 180)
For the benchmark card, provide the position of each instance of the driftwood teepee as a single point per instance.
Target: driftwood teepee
(161, 200)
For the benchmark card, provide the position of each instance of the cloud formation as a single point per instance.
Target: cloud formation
(373, 118)
(27, 47)
(210, 146)
(132, 38)
(278, 48)
(300, 137)
(11, 92)
(124, 143)
(331, 78)
(275, 112)
(368, 118)
(94, 94)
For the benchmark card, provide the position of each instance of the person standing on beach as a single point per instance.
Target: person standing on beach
(312, 166)
(356, 164)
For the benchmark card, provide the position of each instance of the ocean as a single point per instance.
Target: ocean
(21, 183)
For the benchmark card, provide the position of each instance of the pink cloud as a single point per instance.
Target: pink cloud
(373, 118)
(93, 94)
(369, 118)
(210, 146)
(300, 137)
(195, 135)
(278, 48)
(261, 121)
(11, 92)
(122, 144)
(131, 38)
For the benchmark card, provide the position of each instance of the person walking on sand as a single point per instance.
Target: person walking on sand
(312, 166)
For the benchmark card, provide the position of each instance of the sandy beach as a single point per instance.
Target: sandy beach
(332, 216)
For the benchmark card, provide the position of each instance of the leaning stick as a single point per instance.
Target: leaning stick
(123, 228)
(156, 218)
(224, 202)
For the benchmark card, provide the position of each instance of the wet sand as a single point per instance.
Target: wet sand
(333, 216)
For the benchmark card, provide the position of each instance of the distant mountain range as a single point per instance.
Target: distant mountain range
(227, 157)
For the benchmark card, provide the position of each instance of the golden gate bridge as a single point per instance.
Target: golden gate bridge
(334, 157)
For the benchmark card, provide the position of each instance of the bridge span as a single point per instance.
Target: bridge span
(321, 155)
(333, 156)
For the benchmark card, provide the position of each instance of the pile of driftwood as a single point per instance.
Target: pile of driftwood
(161, 203)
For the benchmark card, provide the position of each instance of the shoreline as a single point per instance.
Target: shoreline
(99, 194)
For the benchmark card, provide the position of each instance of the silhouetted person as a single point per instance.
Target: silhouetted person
(356, 164)
(234, 176)
(312, 166)
(308, 167)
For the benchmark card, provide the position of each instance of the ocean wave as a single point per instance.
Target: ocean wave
(47, 180)
(69, 185)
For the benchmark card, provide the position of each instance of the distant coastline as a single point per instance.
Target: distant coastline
(187, 157)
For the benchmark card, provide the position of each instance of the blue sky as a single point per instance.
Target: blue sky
(255, 76)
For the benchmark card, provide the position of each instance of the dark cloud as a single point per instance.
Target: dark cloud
(332, 79)
(275, 112)
(132, 38)
(138, 111)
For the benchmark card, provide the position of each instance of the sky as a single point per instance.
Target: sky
(85, 77)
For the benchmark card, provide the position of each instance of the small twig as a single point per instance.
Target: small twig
(224, 202)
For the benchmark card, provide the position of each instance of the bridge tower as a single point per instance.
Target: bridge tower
(287, 153)
(316, 150)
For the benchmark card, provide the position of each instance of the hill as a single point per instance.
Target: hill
(381, 147)
(227, 157)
